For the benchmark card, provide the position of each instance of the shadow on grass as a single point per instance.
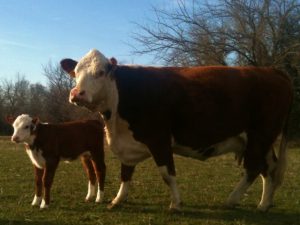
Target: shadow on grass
(248, 214)
(22, 222)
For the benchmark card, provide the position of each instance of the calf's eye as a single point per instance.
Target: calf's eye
(26, 127)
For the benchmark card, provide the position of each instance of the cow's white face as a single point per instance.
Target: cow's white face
(23, 126)
(92, 81)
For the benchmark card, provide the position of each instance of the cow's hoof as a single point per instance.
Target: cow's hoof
(228, 205)
(264, 208)
(89, 198)
(98, 201)
(44, 207)
(174, 210)
(111, 206)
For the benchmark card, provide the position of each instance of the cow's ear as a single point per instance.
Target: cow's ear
(112, 64)
(10, 119)
(113, 61)
(69, 65)
(35, 120)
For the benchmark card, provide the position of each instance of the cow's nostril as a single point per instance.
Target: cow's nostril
(15, 139)
(81, 93)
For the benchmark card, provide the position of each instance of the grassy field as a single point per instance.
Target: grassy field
(204, 187)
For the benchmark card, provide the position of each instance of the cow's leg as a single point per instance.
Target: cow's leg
(165, 162)
(235, 196)
(100, 170)
(49, 173)
(126, 175)
(271, 180)
(254, 163)
(38, 186)
(88, 166)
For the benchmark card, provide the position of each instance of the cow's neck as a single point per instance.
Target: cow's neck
(30, 143)
(111, 106)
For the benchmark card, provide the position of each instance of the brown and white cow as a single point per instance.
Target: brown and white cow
(149, 110)
(47, 144)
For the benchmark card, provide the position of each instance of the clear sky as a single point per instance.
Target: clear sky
(32, 32)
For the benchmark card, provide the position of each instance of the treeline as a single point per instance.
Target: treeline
(49, 102)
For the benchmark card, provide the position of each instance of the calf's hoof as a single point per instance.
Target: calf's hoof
(43, 205)
(175, 207)
(111, 206)
(100, 197)
(36, 201)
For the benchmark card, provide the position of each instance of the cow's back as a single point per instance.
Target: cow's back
(227, 101)
(201, 106)
(70, 138)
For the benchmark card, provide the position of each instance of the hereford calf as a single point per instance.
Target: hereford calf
(47, 144)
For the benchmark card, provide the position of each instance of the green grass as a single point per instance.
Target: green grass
(204, 186)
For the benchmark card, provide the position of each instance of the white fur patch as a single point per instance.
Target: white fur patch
(123, 144)
(235, 196)
(91, 192)
(91, 63)
(36, 158)
(43, 205)
(36, 201)
(236, 144)
(171, 182)
(122, 194)
(100, 195)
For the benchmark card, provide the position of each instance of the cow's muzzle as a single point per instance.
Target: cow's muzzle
(77, 96)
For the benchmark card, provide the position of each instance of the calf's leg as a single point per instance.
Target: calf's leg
(88, 166)
(100, 171)
(38, 186)
(49, 173)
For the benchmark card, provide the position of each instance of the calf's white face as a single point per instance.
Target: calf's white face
(92, 81)
(22, 129)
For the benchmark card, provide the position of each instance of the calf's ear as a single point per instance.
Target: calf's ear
(35, 120)
(69, 65)
(10, 119)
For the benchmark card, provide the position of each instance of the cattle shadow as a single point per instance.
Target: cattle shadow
(216, 212)
(22, 222)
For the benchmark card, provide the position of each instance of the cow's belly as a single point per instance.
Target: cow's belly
(235, 144)
(122, 143)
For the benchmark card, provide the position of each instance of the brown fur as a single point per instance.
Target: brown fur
(202, 106)
(69, 141)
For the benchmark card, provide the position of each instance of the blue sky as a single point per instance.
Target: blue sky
(33, 32)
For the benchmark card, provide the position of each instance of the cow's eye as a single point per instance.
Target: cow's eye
(100, 74)
(26, 127)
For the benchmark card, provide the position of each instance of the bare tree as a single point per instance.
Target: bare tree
(57, 106)
(242, 32)
(15, 95)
